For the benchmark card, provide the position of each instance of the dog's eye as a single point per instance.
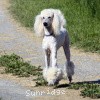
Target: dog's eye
(43, 17)
(49, 17)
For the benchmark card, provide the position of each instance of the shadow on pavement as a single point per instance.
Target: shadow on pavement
(88, 82)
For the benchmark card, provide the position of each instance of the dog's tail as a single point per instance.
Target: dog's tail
(69, 70)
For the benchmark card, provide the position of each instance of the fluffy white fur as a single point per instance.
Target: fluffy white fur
(53, 74)
(58, 21)
(50, 25)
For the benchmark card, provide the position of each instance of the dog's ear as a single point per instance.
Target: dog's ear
(56, 24)
(38, 26)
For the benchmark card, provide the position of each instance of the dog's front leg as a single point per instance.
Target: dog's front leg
(47, 64)
(47, 58)
(54, 57)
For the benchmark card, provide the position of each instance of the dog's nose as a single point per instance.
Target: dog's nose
(45, 24)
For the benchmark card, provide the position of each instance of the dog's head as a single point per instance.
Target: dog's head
(49, 18)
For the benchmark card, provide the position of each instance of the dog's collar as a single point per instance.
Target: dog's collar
(50, 34)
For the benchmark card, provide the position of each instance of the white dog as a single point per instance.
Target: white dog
(50, 25)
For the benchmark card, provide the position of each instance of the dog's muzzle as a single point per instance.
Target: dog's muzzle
(45, 24)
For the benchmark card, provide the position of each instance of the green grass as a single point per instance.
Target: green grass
(87, 89)
(83, 18)
(15, 64)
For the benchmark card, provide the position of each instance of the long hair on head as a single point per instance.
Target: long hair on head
(38, 26)
(58, 22)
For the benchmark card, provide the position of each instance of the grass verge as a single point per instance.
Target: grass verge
(15, 64)
(87, 89)
(83, 18)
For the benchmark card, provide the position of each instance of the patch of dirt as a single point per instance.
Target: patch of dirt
(4, 5)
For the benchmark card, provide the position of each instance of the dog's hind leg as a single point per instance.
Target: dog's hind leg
(67, 48)
(69, 65)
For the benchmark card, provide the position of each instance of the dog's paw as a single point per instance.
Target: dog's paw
(70, 68)
(53, 82)
(70, 71)
(54, 75)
